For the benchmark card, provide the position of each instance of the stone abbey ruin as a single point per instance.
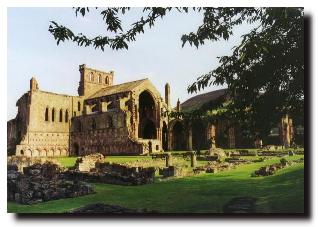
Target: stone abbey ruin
(129, 118)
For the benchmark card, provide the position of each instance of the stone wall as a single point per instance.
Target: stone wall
(88, 162)
(120, 120)
(105, 133)
(93, 80)
(25, 161)
(11, 136)
(42, 182)
(114, 174)
(109, 133)
(43, 122)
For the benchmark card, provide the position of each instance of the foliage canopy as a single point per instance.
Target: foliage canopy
(264, 73)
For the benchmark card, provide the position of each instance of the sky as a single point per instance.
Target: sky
(157, 54)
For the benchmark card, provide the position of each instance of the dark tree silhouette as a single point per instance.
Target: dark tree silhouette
(264, 73)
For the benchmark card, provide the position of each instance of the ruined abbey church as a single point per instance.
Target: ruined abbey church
(129, 118)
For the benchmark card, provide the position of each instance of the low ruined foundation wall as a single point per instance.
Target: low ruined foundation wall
(150, 145)
(114, 174)
(25, 161)
(42, 182)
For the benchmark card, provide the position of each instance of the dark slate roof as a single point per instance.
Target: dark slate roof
(118, 88)
(198, 100)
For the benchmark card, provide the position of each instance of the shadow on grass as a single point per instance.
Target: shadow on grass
(281, 193)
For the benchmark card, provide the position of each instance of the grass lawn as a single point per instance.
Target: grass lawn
(207, 193)
(70, 161)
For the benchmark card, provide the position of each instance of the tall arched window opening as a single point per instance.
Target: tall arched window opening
(66, 116)
(46, 114)
(91, 77)
(61, 115)
(53, 114)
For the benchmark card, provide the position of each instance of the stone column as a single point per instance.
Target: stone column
(170, 140)
(178, 106)
(167, 95)
(168, 160)
(136, 121)
(158, 134)
(190, 139)
(87, 109)
(258, 143)
(193, 159)
(291, 131)
(286, 131)
(231, 137)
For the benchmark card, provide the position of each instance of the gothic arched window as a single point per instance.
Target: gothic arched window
(91, 77)
(46, 114)
(53, 114)
(61, 115)
(66, 116)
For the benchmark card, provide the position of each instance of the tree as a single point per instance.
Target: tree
(264, 74)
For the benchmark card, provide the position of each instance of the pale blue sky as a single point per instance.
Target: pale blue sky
(157, 54)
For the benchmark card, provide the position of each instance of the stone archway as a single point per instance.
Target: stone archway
(28, 153)
(43, 153)
(199, 135)
(164, 135)
(149, 130)
(63, 152)
(57, 152)
(35, 153)
(50, 153)
(147, 116)
(178, 136)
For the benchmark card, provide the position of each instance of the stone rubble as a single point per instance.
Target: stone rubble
(216, 152)
(214, 167)
(172, 171)
(112, 173)
(87, 162)
(273, 168)
(24, 161)
(40, 183)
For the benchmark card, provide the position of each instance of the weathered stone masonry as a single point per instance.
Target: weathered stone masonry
(127, 118)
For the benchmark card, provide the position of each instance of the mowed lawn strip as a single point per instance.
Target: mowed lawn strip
(207, 193)
(70, 161)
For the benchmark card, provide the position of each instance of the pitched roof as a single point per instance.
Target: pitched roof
(198, 100)
(118, 88)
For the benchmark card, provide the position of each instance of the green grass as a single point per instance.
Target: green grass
(70, 161)
(66, 161)
(207, 193)
(123, 159)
